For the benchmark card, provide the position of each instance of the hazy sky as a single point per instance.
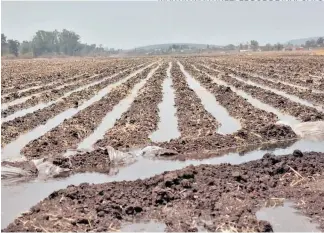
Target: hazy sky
(130, 24)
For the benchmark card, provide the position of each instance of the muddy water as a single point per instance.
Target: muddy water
(288, 96)
(228, 124)
(4, 106)
(49, 84)
(286, 219)
(17, 198)
(111, 117)
(286, 83)
(24, 112)
(12, 150)
(168, 125)
(288, 119)
(149, 226)
(37, 107)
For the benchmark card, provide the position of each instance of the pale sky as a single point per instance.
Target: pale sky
(131, 24)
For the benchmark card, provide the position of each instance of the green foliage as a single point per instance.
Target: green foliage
(254, 45)
(52, 43)
(13, 46)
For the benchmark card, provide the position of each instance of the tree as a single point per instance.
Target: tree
(320, 41)
(310, 44)
(268, 47)
(254, 45)
(13, 46)
(69, 42)
(25, 47)
(278, 46)
(4, 44)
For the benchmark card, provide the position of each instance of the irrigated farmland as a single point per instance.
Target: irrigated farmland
(163, 143)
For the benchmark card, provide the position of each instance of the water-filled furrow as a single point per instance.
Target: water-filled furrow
(291, 120)
(67, 124)
(228, 124)
(125, 106)
(48, 99)
(12, 129)
(168, 124)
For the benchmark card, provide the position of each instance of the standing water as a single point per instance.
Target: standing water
(12, 150)
(111, 117)
(168, 125)
(228, 124)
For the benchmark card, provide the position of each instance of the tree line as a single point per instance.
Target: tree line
(51, 43)
(254, 45)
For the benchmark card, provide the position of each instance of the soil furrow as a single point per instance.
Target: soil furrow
(193, 119)
(64, 85)
(59, 93)
(136, 124)
(317, 98)
(12, 129)
(258, 126)
(249, 116)
(21, 73)
(210, 197)
(285, 105)
(73, 130)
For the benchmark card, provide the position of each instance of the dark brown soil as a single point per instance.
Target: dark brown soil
(193, 119)
(306, 71)
(72, 131)
(57, 93)
(10, 130)
(301, 112)
(258, 126)
(136, 124)
(212, 197)
(317, 98)
(22, 74)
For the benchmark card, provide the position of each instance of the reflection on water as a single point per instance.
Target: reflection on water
(17, 198)
(228, 124)
(168, 125)
(286, 219)
(149, 226)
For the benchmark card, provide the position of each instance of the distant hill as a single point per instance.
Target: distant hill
(166, 46)
(302, 40)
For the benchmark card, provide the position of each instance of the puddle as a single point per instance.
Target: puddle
(228, 124)
(286, 219)
(149, 226)
(44, 105)
(20, 197)
(290, 120)
(112, 116)
(12, 150)
(288, 96)
(167, 113)
(17, 198)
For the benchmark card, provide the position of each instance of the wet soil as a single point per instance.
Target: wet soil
(306, 71)
(12, 129)
(317, 98)
(258, 126)
(285, 105)
(213, 197)
(22, 74)
(54, 94)
(135, 125)
(73, 130)
(193, 119)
